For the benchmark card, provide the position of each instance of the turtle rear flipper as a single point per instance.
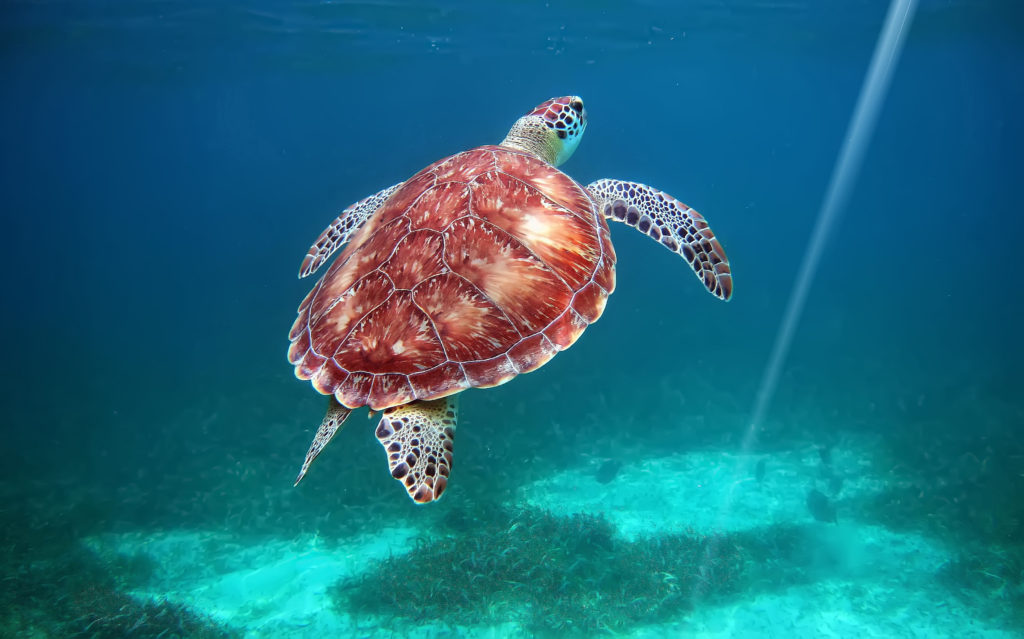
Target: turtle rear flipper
(332, 423)
(418, 438)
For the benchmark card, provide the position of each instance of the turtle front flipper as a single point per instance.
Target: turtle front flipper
(341, 229)
(332, 423)
(672, 224)
(418, 438)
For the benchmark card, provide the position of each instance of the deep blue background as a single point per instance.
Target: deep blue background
(164, 167)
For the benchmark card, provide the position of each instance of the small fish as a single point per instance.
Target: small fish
(608, 471)
(759, 471)
(820, 507)
(825, 452)
(835, 484)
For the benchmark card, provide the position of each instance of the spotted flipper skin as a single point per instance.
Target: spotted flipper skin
(672, 224)
(418, 438)
(332, 423)
(341, 229)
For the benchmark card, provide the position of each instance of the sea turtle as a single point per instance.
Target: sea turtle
(479, 267)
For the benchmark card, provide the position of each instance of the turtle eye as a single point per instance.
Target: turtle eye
(577, 105)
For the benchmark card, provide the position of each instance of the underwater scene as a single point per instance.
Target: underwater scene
(803, 419)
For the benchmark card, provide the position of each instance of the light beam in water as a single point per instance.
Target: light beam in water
(844, 175)
(872, 95)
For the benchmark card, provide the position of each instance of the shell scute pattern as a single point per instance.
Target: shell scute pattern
(439, 206)
(389, 387)
(506, 272)
(463, 167)
(549, 180)
(347, 309)
(554, 234)
(395, 337)
(480, 267)
(440, 381)
(490, 372)
(418, 256)
(468, 323)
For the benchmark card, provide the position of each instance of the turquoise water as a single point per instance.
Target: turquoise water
(165, 165)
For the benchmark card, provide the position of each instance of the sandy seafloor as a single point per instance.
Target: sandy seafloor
(870, 581)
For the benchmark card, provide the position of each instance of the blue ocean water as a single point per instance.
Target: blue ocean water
(165, 165)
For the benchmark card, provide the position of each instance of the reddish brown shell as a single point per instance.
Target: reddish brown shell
(482, 266)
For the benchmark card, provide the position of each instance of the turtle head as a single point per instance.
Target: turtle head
(551, 131)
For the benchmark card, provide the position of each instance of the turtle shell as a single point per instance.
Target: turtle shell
(480, 267)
